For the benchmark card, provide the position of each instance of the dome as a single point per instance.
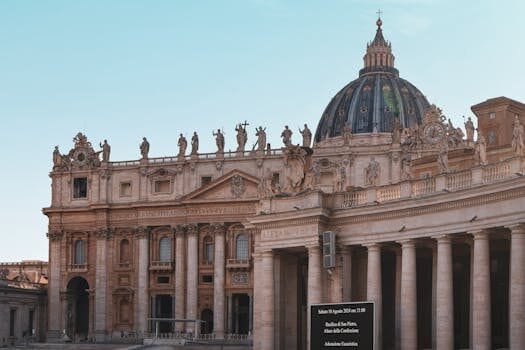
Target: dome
(373, 101)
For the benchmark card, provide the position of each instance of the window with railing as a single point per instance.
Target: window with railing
(208, 250)
(241, 247)
(165, 249)
(79, 257)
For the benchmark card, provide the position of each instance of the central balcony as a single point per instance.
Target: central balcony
(238, 263)
(161, 265)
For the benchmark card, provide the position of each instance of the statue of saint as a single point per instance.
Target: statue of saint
(144, 148)
(307, 136)
(406, 167)
(106, 149)
(219, 140)
(287, 136)
(480, 150)
(57, 158)
(517, 138)
(372, 172)
(261, 139)
(194, 143)
(469, 128)
(347, 134)
(241, 137)
(183, 144)
(396, 131)
(442, 159)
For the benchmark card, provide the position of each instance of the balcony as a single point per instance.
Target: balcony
(238, 264)
(77, 268)
(161, 265)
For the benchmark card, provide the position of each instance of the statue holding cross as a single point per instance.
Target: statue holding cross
(242, 137)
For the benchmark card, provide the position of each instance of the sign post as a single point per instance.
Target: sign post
(342, 326)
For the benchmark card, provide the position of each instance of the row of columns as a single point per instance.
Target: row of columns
(444, 306)
(186, 278)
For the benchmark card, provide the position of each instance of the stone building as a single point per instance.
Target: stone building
(23, 302)
(428, 225)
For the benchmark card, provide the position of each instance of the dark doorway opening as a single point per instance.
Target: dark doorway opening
(499, 289)
(388, 283)
(424, 258)
(77, 322)
(164, 309)
(241, 313)
(207, 325)
(461, 280)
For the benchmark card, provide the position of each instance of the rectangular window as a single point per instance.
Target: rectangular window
(125, 189)
(163, 279)
(275, 179)
(12, 320)
(492, 115)
(205, 180)
(162, 186)
(80, 187)
(207, 278)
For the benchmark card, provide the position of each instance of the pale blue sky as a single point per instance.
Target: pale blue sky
(125, 69)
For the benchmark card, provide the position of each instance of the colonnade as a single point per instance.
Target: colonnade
(442, 294)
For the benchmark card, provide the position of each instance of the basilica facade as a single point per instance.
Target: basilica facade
(428, 220)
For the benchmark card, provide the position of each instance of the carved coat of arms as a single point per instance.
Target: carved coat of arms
(238, 187)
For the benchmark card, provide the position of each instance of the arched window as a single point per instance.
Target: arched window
(208, 250)
(124, 251)
(241, 247)
(165, 249)
(80, 252)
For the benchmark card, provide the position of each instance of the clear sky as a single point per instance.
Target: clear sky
(121, 70)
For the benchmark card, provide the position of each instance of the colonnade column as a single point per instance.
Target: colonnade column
(444, 295)
(517, 287)
(314, 283)
(267, 303)
(179, 275)
(218, 281)
(408, 308)
(101, 285)
(374, 289)
(193, 274)
(481, 326)
(142, 303)
(55, 325)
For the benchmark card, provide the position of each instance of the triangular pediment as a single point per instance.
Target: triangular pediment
(235, 185)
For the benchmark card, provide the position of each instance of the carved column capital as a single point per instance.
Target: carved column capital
(516, 229)
(192, 229)
(142, 231)
(55, 235)
(104, 233)
(218, 228)
(180, 229)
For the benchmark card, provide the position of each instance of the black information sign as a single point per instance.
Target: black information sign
(342, 326)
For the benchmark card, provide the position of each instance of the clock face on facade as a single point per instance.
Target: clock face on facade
(434, 133)
(80, 156)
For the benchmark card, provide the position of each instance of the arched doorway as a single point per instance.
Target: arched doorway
(77, 322)
(207, 325)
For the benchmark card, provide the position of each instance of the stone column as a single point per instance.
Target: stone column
(180, 275)
(374, 289)
(314, 283)
(142, 305)
(517, 287)
(55, 311)
(444, 295)
(193, 273)
(481, 326)
(347, 274)
(218, 281)
(268, 308)
(258, 297)
(408, 308)
(101, 285)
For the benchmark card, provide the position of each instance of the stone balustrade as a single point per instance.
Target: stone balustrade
(161, 265)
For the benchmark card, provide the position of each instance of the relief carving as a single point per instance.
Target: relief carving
(238, 187)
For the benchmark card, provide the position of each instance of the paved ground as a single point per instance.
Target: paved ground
(48, 346)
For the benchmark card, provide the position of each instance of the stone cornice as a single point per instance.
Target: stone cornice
(431, 208)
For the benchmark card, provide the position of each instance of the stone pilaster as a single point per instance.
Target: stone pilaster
(267, 303)
(141, 307)
(314, 283)
(347, 273)
(193, 272)
(55, 310)
(374, 289)
(101, 285)
(517, 287)
(258, 297)
(481, 326)
(408, 308)
(444, 295)
(180, 275)
(218, 281)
